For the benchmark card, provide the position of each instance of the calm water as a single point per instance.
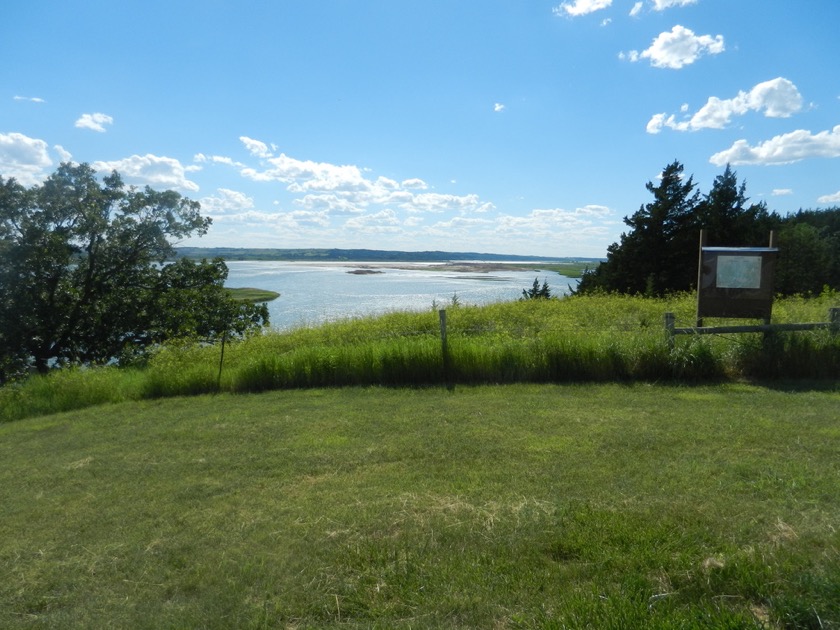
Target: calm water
(311, 294)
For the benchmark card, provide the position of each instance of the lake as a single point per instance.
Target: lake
(314, 293)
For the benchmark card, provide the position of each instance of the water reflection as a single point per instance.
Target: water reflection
(311, 294)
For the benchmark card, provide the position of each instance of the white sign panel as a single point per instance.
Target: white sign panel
(738, 272)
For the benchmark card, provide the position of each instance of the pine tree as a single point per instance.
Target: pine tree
(727, 218)
(658, 254)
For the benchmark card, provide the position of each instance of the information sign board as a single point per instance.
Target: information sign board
(736, 282)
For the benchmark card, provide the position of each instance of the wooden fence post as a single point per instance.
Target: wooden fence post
(221, 362)
(444, 346)
(703, 238)
(834, 318)
(670, 322)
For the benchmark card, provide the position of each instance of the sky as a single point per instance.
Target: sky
(503, 126)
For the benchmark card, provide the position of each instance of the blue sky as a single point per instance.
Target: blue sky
(502, 126)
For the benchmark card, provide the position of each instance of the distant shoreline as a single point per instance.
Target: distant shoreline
(459, 262)
(570, 270)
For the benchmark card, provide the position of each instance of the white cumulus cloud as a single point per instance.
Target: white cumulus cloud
(150, 170)
(200, 158)
(545, 222)
(307, 175)
(322, 189)
(382, 222)
(661, 5)
(23, 158)
(332, 204)
(677, 48)
(226, 201)
(581, 7)
(637, 8)
(835, 198)
(255, 147)
(438, 202)
(94, 122)
(414, 184)
(777, 98)
(63, 154)
(782, 192)
(784, 149)
(309, 217)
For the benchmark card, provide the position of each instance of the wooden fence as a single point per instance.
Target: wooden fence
(768, 329)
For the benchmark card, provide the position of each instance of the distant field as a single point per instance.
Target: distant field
(571, 270)
(524, 506)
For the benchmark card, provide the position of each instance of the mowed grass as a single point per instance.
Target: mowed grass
(515, 506)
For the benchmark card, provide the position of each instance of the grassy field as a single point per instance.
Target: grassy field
(516, 506)
(248, 294)
(570, 270)
(606, 338)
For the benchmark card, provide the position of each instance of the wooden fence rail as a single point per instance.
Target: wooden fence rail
(670, 326)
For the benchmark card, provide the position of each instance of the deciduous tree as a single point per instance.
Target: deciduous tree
(83, 273)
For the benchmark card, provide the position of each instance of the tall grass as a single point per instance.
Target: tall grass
(69, 389)
(587, 338)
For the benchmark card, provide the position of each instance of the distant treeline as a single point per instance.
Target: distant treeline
(357, 255)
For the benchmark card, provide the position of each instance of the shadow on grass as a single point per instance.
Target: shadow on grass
(797, 385)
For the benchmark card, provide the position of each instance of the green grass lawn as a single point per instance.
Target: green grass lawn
(520, 506)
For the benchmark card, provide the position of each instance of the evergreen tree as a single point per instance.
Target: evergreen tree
(537, 292)
(728, 220)
(658, 254)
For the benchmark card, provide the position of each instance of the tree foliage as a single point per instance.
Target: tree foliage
(809, 252)
(650, 259)
(728, 219)
(537, 292)
(659, 254)
(83, 278)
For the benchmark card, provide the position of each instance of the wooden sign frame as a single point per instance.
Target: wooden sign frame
(735, 282)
